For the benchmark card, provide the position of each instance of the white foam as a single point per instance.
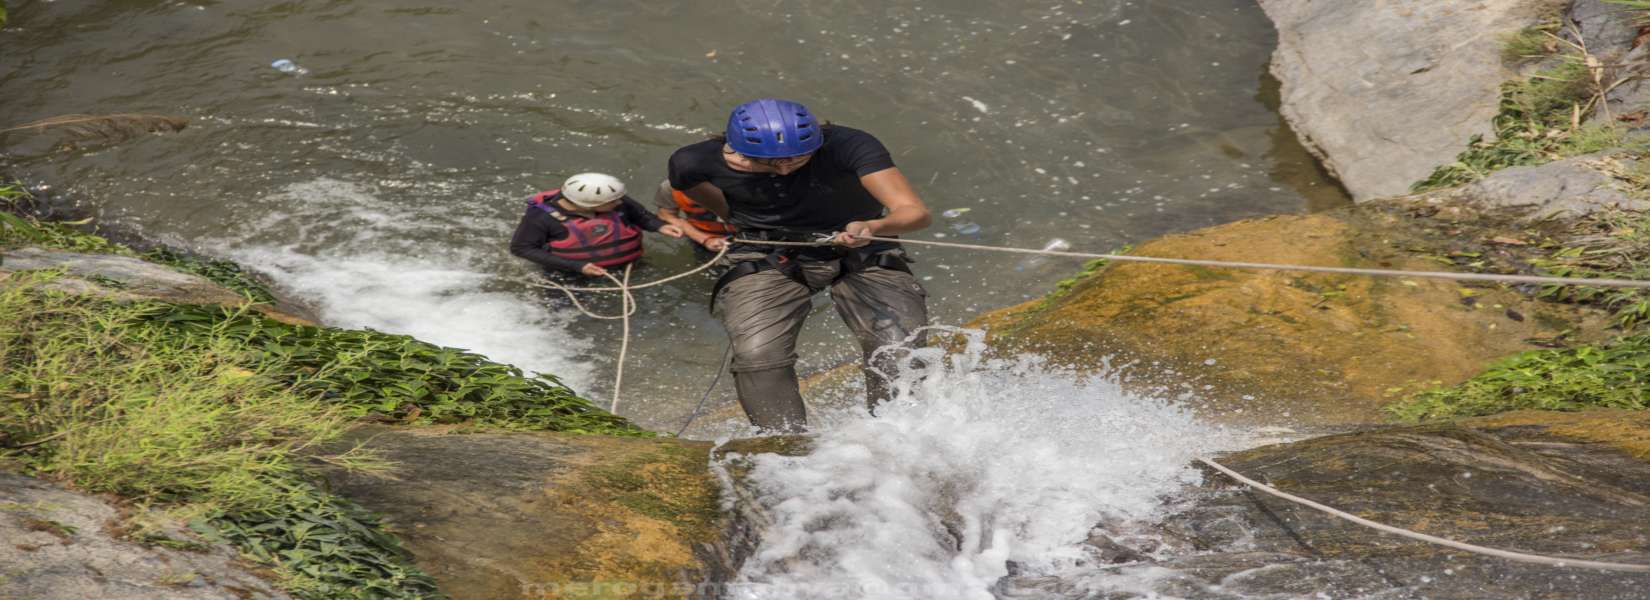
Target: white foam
(362, 262)
(1017, 459)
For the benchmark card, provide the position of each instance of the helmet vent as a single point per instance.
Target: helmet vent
(581, 188)
(780, 136)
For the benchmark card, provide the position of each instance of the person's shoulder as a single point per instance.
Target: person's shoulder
(844, 132)
(849, 139)
(698, 149)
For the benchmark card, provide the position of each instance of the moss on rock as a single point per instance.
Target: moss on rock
(1315, 348)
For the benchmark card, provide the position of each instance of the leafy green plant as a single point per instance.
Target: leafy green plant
(152, 417)
(398, 378)
(322, 547)
(1613, 375)
(219, 413)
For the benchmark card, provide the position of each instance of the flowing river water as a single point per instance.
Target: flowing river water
(380, 186)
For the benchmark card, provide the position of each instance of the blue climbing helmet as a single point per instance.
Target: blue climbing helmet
(773, 128)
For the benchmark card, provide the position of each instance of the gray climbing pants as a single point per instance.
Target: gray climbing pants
(764, 311)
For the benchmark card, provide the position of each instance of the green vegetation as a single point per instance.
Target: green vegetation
(109, 398)
(1089, 269)
(1529, 43)
(220, 415)
(398, 378)
(322, 547)
(1614, 244)
(132, 409)
(1613, 375)
(2, 13)
(1539, 122)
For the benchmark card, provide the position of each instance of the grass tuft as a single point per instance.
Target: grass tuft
(1529, 43)
(1613, 375)
(152, 417)
(1539, 122)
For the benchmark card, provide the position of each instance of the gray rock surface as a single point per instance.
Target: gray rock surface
(57, 544)
(1384, 91)
(530, 515)
(1608, 31)
(127, 279)
(122, 277)
(1513, 486)
(1571, 187)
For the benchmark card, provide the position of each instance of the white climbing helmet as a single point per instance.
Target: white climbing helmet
(590, 190)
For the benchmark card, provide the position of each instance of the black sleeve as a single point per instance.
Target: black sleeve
(859, 151)
(687, 168)
(537, 229)
(638, 214)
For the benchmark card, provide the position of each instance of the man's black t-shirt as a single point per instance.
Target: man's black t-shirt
(822, 196)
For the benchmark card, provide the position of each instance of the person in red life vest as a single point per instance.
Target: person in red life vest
(708, 231)
(585, 227)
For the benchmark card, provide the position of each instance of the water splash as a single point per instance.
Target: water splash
(977, 464)
(360, 262)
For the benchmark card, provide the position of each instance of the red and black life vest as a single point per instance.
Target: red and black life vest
(606, 239)
(700, 217)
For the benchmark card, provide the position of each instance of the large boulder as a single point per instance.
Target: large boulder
(1565, 485)
(60, 545)
(500, 516)
(1272, 346)
(1384, 92)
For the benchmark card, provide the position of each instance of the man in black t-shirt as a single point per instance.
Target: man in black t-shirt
(779, 174)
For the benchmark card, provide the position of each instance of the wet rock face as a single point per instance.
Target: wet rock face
(1505, 484)
(502, 516)
(56, 544)
(128, 279)
(1268, 347)
(1383, 92)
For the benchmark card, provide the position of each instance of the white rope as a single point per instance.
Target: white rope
(1509, 555)
(628, 302)
(1625, 283)
(640, 286)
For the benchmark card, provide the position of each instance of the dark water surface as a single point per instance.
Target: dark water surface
(382, 185)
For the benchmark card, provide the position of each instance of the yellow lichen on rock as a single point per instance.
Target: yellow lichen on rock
(1311, 348)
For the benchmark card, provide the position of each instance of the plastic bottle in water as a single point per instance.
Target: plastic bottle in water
(1054, 245)
(288, 67)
